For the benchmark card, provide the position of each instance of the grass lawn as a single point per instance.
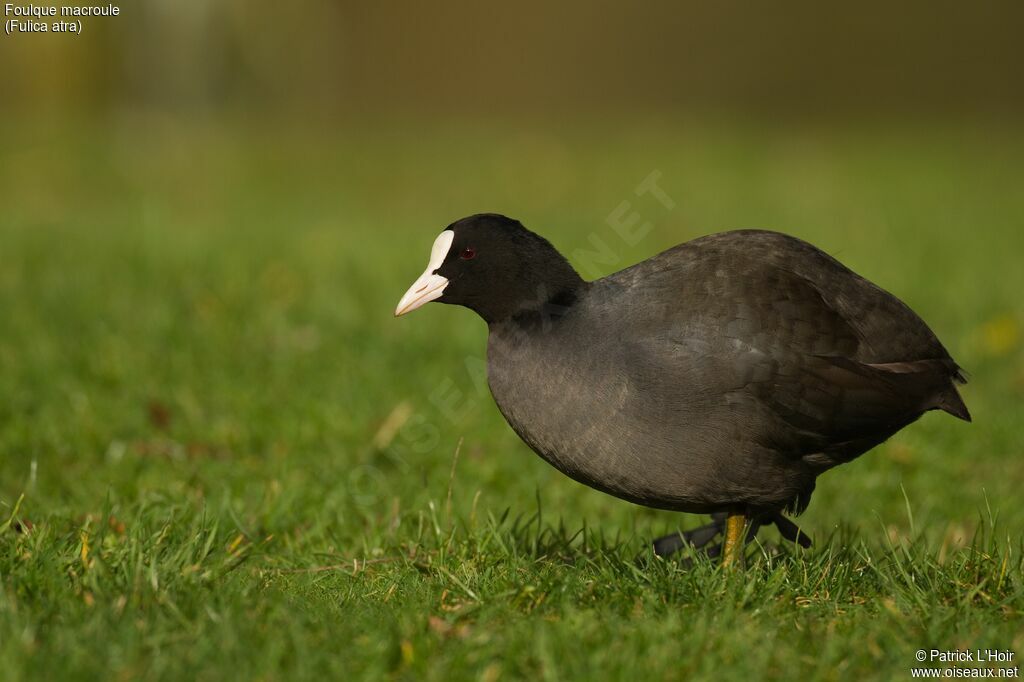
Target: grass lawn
(222, 458)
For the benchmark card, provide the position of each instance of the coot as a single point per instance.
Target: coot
(721, 377)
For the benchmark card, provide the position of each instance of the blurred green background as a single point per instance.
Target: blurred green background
(314, 59)
(208, 211)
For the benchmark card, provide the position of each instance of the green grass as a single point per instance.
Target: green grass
(221, 457)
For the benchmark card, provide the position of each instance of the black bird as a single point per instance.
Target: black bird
(721, 376)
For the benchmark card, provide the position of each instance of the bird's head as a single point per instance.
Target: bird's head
(492, 265)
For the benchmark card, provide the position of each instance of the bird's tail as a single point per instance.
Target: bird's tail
(936, 379)
(951, 402)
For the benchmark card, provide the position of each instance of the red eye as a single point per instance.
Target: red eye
(468, 253)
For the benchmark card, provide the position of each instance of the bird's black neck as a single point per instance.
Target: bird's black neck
(538, 301)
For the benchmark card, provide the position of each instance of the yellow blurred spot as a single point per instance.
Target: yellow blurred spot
(392, 423)
(407, 655)
(235, 543)
(1001, 334)
(85, 549)
(491, 673)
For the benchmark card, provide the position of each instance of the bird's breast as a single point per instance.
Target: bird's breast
(583, 414)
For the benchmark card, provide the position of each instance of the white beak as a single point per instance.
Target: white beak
(430, 285)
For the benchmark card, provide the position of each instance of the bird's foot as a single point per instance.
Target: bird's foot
(791, 531)
(700, 538)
